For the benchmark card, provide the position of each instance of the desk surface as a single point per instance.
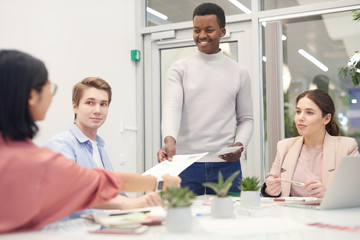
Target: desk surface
(271, 221)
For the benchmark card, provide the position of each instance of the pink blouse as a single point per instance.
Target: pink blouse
(308, 167)
(39, 186)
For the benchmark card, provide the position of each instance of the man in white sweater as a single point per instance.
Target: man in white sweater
(207, 105)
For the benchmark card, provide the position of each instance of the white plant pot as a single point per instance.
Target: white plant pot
(250, 198)
(222, 207)
(179, 219)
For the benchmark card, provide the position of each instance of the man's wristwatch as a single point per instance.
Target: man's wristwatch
(159, 184)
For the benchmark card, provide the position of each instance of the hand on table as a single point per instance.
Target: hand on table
(149, 200)
(315, 188)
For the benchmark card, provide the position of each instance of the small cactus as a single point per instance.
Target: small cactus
(177, 197)
(249, 184)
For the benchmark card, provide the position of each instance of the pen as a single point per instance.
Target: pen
(300, 184)
(284, 200)
(124, 213)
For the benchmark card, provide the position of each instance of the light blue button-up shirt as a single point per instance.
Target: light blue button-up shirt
(74, 145)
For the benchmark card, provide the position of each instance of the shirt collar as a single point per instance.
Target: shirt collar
(213, 56)
(81, 137)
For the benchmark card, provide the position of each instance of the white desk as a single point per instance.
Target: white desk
(269, 215)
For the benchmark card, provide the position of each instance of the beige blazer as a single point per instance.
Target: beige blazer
(288, 151)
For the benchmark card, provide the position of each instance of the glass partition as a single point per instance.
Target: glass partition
(160, 12)
(313, 49)
(275, 4)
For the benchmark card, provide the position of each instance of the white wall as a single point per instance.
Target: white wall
(77, 39)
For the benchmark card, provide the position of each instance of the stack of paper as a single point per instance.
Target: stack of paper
(145, 216)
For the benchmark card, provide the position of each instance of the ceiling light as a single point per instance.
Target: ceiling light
(241, 6)
(313, 60)
(156, 13)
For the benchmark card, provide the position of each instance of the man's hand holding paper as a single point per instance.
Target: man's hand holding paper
(168, 150)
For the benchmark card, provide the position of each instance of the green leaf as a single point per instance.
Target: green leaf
(346, 69)
(357, 78)
(352, 73)
(342, 72)
(221, 179)
(213, 186)
(356, 15)
(177, 197)
(232, 177)
(222, 187)
(250, 184)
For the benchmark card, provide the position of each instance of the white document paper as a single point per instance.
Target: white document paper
(178, 164)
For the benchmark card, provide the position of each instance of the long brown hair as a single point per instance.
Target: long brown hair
(323, 100)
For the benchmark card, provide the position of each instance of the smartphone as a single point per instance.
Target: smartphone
(136, 229)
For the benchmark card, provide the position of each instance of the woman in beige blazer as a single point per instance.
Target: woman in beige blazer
(313, 157)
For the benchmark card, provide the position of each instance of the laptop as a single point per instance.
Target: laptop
(344, 189)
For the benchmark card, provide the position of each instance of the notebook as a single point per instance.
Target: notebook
(344, 189)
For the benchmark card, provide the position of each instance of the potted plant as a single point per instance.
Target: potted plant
(222, 205)
(353, 66)
(178, 202)
(250, 195)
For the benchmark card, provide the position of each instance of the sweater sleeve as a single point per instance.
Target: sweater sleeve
(52, 187)
(173, 102)
(244, 111)
(77, 187)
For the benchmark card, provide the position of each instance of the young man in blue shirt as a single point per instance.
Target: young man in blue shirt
(90, 100)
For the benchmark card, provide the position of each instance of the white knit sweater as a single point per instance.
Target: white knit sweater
(207, 104)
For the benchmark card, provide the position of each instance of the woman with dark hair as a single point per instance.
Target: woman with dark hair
(39, 186)
(23, 74)
(313, 157)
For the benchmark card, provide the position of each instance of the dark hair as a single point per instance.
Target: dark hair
(89, 82)
(209, 9)
(19, 74)
(323, 100)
